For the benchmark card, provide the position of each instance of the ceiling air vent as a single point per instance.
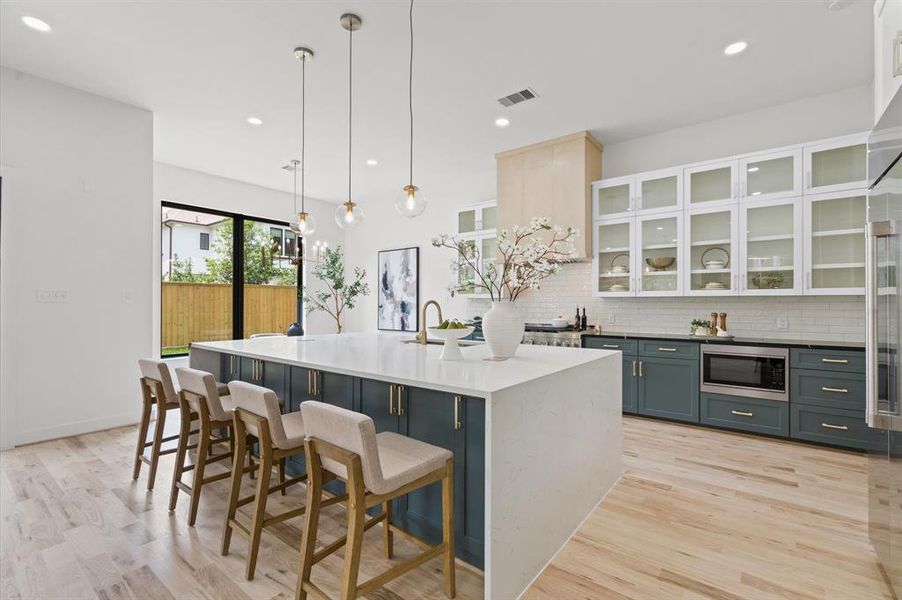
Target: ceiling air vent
(517, 97)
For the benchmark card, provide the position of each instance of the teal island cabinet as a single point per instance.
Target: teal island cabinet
(540, 429)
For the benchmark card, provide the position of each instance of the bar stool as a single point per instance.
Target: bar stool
(156, 388)
(199, 399)
(376, 468)
(279, 437)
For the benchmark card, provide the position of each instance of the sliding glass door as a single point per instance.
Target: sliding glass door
(270, 278)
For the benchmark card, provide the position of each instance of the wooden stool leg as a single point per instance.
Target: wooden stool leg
(282, 473)
(250, 457)
(235, 485)
(157, 444)
(353, 546)
(184, 431)
(311, 523)
(256, 528)
(143, 426)
(203, 448)
(387, 536)
(448, 528)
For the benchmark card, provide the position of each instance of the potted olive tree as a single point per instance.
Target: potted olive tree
(340, 293)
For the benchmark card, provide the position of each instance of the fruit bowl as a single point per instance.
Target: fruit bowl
(660, 263)
(451, 350)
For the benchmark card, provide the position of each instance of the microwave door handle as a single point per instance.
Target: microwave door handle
(874, 230)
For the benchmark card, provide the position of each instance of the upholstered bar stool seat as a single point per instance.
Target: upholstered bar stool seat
(199, 398)
(257, 413)
(376, 468)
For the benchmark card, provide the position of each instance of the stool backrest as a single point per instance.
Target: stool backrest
(157, 372)
(201, 383)
(346, 429)
(262, 402)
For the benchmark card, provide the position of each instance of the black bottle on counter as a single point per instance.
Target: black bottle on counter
(577, 322)
(583, 322)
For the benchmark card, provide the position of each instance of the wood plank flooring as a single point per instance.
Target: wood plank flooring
(698, 514)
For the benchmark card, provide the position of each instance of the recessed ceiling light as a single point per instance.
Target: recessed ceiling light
(502, 122)
(35, 23)
(372, 162)
(255, 120)
(735, 48)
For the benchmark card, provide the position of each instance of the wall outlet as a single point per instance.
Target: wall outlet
(782, 323)
(52, 296)
(612, 318)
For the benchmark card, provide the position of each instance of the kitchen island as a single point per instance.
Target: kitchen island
(536, 438)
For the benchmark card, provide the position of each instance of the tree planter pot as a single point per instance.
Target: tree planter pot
(503, 329)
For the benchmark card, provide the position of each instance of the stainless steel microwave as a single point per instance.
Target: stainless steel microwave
(759, 372)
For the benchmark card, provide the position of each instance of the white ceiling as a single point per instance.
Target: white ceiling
(620, 69)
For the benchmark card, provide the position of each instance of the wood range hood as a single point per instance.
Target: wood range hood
(551, 179)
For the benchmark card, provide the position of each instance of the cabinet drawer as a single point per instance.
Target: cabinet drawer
(747, 414)
(625, 346)
(828, 425)
(664, 349)
(828, 360)
(828, 389)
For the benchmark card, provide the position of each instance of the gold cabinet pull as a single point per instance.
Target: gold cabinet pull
(614, 346)
(640, 369)
(457, 423)
(742, 413)
(391, 398)
(310, 382)
(400, 409)
(832, 426)
(833, 389)
(634, 368)
(838, 361)
(667, 349)
(316, 389)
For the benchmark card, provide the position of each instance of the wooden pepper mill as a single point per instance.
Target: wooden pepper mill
(723, 321)
(713, 330)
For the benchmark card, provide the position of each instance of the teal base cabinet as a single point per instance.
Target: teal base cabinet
(267, 374)
(630, 367)
(669, 380)
(770, 417)
(836, 427)
(228, 368)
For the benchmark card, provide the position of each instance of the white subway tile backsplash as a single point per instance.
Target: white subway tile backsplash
(826, 318)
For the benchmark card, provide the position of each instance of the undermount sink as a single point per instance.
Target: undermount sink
(434, 342)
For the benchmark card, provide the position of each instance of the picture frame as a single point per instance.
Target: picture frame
(398, 289)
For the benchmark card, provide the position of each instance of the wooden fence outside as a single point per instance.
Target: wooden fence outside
(195, 312)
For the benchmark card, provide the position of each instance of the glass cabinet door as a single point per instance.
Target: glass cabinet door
(659, 257)
(836, 166)
(710, 252)
(466, 220)
(489, 218)
(660, 190)
(466, 273)
(772, 247)
(613, 196)
(715, 182)
(776, 175)
(614, 258)
(834, 259)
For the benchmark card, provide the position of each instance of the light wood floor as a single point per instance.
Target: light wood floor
(698, 514)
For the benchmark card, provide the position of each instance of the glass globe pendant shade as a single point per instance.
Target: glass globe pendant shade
(348, 215)
(411, 201)
(306, 224)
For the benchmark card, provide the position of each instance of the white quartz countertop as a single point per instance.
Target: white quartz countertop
(386, 357)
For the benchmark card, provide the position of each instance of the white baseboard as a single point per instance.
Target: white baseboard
(77, 428)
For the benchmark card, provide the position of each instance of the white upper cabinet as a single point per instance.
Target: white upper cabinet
(614, 258)
(835, 243)
(658, 268)
(711, 183)
(710, 264)
(772, 175)
(613, 197)
(658, 191)
(770, 233)
(836, 165)
(476, 224)
(477, 218)
(887, 53)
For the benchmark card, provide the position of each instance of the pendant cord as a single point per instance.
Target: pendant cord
(410, 92)
(303, 128)
(350, 98)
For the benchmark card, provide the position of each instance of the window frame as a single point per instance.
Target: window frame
(204, 236)
(238, 221)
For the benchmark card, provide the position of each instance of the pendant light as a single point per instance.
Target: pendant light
(305, 224)
(349, 215)
(411, 201)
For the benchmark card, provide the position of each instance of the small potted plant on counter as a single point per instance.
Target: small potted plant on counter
(526, 255)
(700, 327)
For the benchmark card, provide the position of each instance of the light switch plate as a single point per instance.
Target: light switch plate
(612, 318)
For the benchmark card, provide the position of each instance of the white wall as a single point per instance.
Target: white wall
(76, 218)
(194, 188)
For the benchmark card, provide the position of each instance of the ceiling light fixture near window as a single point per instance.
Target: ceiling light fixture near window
(255, 120)
(735, 48)
(372, 162)
(305, 224)
(36, 23)
(502, 122)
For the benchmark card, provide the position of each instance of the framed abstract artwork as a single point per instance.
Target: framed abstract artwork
(399, 289)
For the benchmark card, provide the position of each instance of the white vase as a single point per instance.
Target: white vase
(503, 329)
